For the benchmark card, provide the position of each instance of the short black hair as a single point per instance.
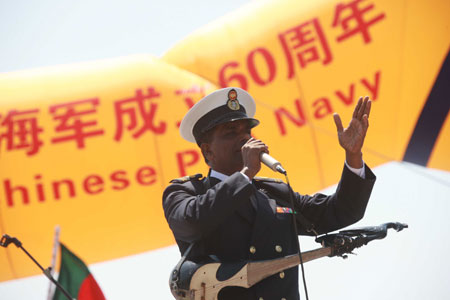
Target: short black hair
(206, 138)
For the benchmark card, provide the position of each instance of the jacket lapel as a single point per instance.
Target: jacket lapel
(211, 181)
(265, 215)
(246, 210)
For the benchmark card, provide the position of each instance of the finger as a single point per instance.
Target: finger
(338, 122)
(362, 108)
(263, 147)
(247, 143)
(368, 106)
(257, 144)
(365, 121)
(358, 105)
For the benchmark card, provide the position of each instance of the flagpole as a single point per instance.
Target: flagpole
(51, 287)
(6, 240)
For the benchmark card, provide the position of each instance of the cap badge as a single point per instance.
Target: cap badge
(233, 102)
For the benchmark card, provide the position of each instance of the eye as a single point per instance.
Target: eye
(230, 133)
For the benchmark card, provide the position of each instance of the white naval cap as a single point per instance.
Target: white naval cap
(224, 105)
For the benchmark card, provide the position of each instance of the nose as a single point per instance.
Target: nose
(244, 134)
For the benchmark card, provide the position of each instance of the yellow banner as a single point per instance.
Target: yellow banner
(91, 147)
(304, 60)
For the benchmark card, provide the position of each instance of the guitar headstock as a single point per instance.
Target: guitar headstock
(346, 241)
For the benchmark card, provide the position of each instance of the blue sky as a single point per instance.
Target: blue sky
(49, 32)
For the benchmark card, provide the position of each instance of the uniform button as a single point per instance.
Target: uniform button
(283, 298)
(278, 248)
(252, 249)
(282, 276)
(260, 298)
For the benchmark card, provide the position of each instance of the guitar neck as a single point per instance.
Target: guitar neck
(257, 271)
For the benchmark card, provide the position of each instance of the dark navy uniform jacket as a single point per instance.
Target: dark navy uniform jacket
(237, 220)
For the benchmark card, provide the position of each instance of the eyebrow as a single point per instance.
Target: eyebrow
(230, 125)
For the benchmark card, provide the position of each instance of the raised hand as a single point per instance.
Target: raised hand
(352, 137)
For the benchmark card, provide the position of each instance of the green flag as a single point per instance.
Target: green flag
(75, 277)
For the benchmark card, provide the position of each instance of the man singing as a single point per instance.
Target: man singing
(233, 216)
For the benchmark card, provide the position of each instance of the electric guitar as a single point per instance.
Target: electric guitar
(203, 281)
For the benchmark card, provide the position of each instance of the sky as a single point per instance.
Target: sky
(50, 32)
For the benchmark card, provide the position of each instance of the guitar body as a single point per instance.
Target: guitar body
(203, 281)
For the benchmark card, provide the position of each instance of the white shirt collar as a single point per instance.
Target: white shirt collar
(218, 175)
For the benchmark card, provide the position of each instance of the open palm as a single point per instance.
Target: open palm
(352, 137)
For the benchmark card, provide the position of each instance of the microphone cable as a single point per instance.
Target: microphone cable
(291, 198)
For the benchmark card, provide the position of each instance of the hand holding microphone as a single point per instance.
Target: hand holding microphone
(254, 152)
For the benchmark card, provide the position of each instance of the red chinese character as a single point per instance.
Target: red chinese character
(69, 114)
(21, 131)
(135, 107)
(354, 15)
(307, 42)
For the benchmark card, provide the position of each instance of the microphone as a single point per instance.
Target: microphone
(6, 240)
(272, 163)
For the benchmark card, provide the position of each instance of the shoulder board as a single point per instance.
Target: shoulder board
(267, 179)
(186, 178)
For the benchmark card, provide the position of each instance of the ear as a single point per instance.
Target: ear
(206, 151)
